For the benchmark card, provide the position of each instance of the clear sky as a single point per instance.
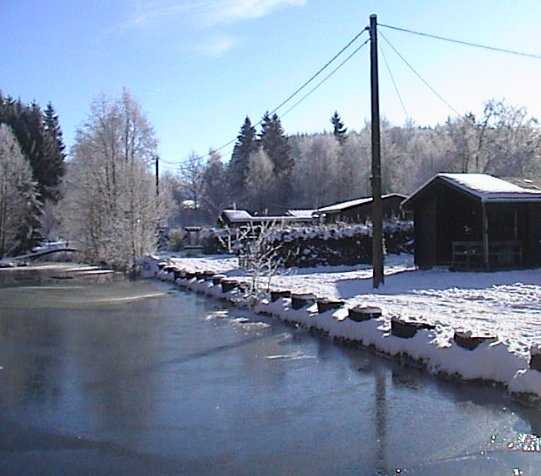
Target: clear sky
(199, 66)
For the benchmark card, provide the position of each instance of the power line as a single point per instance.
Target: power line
(427, 84)
(464, 43)
(299, 89)
(394, 83)
(316, 87)
(166, 162)
(302, 86)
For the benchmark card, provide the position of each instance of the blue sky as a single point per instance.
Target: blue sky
(199, 66)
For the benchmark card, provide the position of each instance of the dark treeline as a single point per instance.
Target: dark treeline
(271, 172)
(35, 134)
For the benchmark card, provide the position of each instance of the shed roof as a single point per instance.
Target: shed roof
(236, 215)
(338, 207)
(301, 213)
(242, 216)
(485, 187)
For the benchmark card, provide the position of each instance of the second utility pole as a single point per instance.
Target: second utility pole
(377, 206)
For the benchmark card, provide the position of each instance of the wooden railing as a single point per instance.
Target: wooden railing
(501, 254)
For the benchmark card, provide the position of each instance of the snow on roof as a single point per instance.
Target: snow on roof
(353, 203)
(301, 213)
(486, 187)
(236, 215)
(242, 216)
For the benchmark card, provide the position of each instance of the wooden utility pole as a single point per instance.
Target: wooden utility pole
(377, 206)
(157, 161)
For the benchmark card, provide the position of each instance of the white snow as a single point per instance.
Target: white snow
(350, 203)
(237, 215)
(301, 213)
(504, 304)
(485, 187)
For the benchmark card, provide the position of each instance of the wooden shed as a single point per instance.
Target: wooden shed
(359, 210)
(477, 221)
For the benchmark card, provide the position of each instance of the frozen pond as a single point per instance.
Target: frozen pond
(126, 378)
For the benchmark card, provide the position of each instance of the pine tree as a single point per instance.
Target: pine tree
(42, 147)
(56, 147)
(275, 144)
(339, 130)
(238, 166)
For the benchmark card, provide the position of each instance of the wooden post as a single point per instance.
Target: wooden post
(157, 164)
(485, 236)
(377, 206)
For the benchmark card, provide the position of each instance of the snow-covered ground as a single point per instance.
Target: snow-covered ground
(504, 304)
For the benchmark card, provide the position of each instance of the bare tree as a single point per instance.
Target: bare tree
(260, 256)
(191, 178)
(110, 207)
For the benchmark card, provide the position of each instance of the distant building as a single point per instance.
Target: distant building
(242, 218)
(360, 210)
(477, 221)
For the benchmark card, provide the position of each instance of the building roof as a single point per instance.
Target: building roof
(338, 207)
(242, 216)
(301, 213)
(236, 215)
(485, 187)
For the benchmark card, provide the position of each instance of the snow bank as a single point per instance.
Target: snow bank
(482, 303)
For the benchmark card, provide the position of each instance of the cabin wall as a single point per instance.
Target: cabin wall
(425, 222)
(533, 245)
(444, 215)
(459, 218)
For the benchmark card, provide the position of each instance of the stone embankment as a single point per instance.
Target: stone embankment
(450, 353)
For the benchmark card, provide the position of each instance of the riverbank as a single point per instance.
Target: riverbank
(469, 326)
(55, 271)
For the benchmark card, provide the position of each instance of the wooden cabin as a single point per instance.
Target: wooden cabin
(476, 221)
(360, 210)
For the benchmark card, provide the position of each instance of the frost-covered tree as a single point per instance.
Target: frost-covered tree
(260, 182)
(215, 194)
(40, 139)
(19, 207)
(110, 208)
(191, 178)
(316, 170)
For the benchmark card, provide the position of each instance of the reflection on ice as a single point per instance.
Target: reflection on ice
(298, 355)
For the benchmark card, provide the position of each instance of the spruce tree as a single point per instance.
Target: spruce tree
(238, 166)
(40, 138)
(339, 130)
(275, 144)
(56, 148)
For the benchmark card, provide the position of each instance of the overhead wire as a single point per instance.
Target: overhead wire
(394, 84)
(426, 83)
(318, 85)
(462, 42)
(301, 87)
